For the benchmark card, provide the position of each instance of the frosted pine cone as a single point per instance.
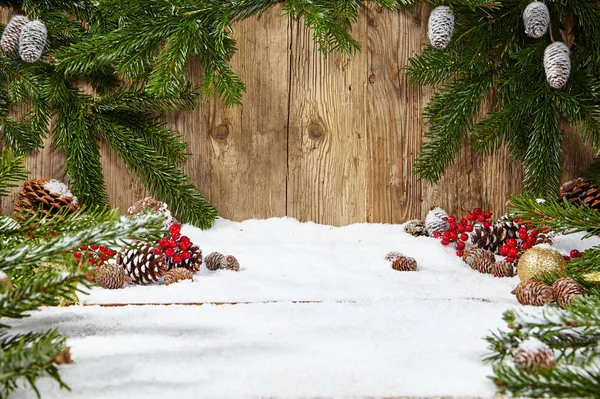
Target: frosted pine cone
(111, 277)
(533, 292)
(392, 256)
(532, 354)
(436, 221)
(565, 290)
(557, 64)
(230, 263)
(480, 260)
(213, 261)
(142, 263)
(32, 41)
(46, 196)
(12, 32)
(503, 269)
(176, 275)
(159, 206)
(404, 264)
(441, 26)
(415, 228)
(536, 19)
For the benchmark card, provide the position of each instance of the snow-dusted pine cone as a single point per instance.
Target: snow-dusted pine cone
(46, 196)
(177, 274)
(490, 238)
(533, 292)
(565, 290)
(479, 259)
(557, 64)
(503, 269)
(441, 26)
(415, 228)
(404, 264)
(32, 41)
(213, 261)
(12, 32)
(142, 263)
(230, 263)
(111, 277)
(392, 256)
(536, 18)
(436, 221)
(159, 206)
(532, 354)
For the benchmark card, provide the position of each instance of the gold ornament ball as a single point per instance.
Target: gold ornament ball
(538, 260)
(592, 278)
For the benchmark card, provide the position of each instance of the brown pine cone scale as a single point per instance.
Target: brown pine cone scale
(47, 196)
(213, 261)
(176, 275)
(110, 277)
(565, 290)
(534, 293)
(503, 269)
(581, 191)
(404, 264)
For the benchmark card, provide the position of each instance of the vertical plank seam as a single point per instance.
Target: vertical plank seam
(287, 137)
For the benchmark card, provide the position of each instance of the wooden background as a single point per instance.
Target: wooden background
(328, 140)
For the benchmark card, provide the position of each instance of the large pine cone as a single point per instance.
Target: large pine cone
(415, 228)
(193, 263)
(111, 277)
(533, 292)
(503, 269)
(532, 354)
(404, 264)
(142, 263)
(176, 275)
(479, 259)
(581, 191)
(436, 221)
(565, 290)
(48, 196)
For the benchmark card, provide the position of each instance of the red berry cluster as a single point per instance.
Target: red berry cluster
(93, 254)
(458, 232)
(512, 247)
(573, 254)
(174, 246)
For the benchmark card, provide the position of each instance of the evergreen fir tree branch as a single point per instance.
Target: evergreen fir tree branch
(11, 170)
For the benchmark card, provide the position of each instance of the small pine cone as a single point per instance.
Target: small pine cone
(159, 206)
(490, 238)
(194, 262)
(557, 64)
(532, 354)
(230, 263)
(32, 41)
(536, 18)
(141, 263)
(12, 32)
(176, 275)
(111, 277)
(503, 269)
(533, 292)
(441, 26)
(565, 290)
(213, 261)
(436, 221)
(543, 239)
(47, 196)
(63, 357)
(415, 228)
(480, 260)
(392, 256)
(404, 264)
(581, 191)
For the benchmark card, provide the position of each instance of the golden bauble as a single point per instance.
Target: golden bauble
(592, 278)
(539, 260)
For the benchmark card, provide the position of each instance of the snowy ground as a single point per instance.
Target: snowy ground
(377, 332)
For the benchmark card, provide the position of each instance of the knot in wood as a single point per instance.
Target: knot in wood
(316, 131)
(220, 132)
(372, 78)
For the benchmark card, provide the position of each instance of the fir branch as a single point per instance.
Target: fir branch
(11, 170)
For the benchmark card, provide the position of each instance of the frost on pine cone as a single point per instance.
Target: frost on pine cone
(392, 256)
(47, 196)
(111, 277)
(441, 27)
(151, 203)
(176, 275)
(142, 263)
(503, 269)
(436, 221)
(536, 18)
(533, 292)
(532, 354)
(565, 290)
(213, 261)
(557, 64)
(404, 264)
(415, 228)
(479, 259)
(12, 32)
(581, 191)
(32, 41)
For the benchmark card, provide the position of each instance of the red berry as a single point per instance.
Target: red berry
(487, 224)
(437, 234)
(460, 245)
(567, 258)
(523, 237)
(575, 253)
(513, 252)
(103, 258)
(453, 236)
(175, 235)
(451, 219)
(77, 255)
(477, 211)
(445, 241)
(534, 233)
(464, 237)
(185, 238)
(157, 250)
(518, 220)
(522, 230)
(464, 221)
(526, 245)
(177, 258)
(94, 247)
(487, 214)
(461, 229)
(175, 228)
(511, 242)
(452, 226)
(172, 243)
(469, 228)
(480, 218)
(504, 250)
(110, 252)
(460, 253)
(169, 252)
(510, 259)
(92, 261)
(163, 242)
(185, 255)
(471, 217)
(83, 247)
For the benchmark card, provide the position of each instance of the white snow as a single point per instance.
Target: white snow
(374, 332)
(56, 187)
(532, 344)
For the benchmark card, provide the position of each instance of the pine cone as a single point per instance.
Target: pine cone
(532, 354)
(111, 277)
(490, 238)
(48, 196)
(392, 256)
(194, 262)
(404, 264)
(557, 64)
(415, 228)
(149, 202)
(503, 269)
(141, 263)
(480, 260)
(543, 239)
(230, 263)
(436, 221)
(536, 18)
(214, 260)
(565, 290)
(533, 292)
(176, 275)
(32, 41)
(12, 32)
(581, 191)
(441, 26)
